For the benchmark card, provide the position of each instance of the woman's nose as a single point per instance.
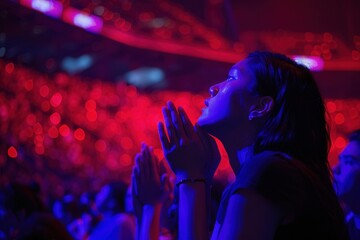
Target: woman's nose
(213, 90)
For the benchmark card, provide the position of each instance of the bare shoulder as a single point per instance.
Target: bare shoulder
(249, 216)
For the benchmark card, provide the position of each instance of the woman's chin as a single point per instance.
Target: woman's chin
(206, 125)
(202, 121)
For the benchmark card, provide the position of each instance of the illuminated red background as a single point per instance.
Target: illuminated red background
(70, 134)
(75, 131)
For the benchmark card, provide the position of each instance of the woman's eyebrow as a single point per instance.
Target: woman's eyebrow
(354, 157)
(234, 70)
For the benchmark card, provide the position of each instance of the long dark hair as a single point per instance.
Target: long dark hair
(297, 123)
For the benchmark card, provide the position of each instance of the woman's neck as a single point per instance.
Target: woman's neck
(236, 145)
(235, 139)
(237, 157)
(357, 221)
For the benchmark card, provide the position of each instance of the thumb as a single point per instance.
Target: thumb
(162, 167)
(165, 182)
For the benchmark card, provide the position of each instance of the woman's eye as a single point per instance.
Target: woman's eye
(349, 162)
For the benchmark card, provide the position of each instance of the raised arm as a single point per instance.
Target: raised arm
(150, 190)
(193, 156)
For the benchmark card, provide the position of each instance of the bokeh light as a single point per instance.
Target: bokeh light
(64, 130)
(12, 152)
(77, 127)
(79, 134)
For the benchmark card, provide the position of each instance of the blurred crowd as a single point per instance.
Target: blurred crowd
(105, 214)
(70, 145)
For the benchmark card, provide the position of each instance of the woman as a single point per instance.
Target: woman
(270, 117)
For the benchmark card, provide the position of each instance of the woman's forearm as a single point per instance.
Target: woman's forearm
(193, 211)
(150, 222)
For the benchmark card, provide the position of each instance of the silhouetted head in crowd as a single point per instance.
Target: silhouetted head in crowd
(347, 174)
(67, 209)
(22, 200)
(111, 197)
(34, 221)
(43, 226)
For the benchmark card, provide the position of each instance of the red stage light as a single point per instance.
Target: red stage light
(12, 152)
(79, 134)
(9, 68)
(53, 132)
(44, 91)
(91, 116)
(56, 100)
(339, 118)
(64, 130)
(340, 142)
(100, 145)
(55, 118)
(331, 107)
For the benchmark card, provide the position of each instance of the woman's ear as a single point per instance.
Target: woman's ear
(260, 109)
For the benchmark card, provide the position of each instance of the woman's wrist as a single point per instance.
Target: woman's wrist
(190, 181)
(189, 175)
(151, 212)
(150, 224)
(151, 208)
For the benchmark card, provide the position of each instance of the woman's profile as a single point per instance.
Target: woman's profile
(270, 117)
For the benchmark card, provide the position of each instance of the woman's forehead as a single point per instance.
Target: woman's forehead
(238, 68)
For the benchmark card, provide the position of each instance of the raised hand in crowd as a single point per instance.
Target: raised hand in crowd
(193, 156)
(191, 153)
(152, 190)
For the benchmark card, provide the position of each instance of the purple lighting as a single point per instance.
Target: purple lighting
(86, 21)
(49, 7)
(311, 62)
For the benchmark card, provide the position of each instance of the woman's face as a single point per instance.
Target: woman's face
(230, 100)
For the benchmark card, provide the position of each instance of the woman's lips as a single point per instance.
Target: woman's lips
(206, 102)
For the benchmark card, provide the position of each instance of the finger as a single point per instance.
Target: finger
(170, 126)
(162, 167)
(134, 182)
(208, 141)
(163, 138)
(165, 183)
(187, 125)
(144, 151)
(155, 161)
(175, 117)
(137, 159)
(151, 165)
(146, 163)
(133, 185)
(142, 171)
(212, 145)
(172, 179)
(143, 145)
(134, 191)
(202, 135)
